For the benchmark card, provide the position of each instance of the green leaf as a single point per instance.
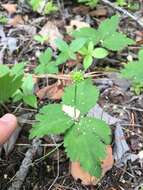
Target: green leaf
(88, 133)
(9, 84)
(100, 53)
(140, 55)
(77, 44)
(18, 69)
(87, 61)
(35, 4)
(62, 58)
(17, 96)
(4, 69)
(62, 45)
(51, 120)
(91, 3)
(30, 100)
(86, 96)
(133, 70)
(28, 85)
(45, 56)
(40, 38)
(51, 67)
(117, 41)
(90, 34)
(108, 26)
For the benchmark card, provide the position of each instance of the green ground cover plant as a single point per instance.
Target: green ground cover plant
(78, 128)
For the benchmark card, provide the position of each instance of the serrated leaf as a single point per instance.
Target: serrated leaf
(51, 120)
(100, 53)
(45, 56)
(88, 133)
(117, 41)
(9, 84)
(86, 95)
(87, 61)
(90, 34)
(108, 26)
(62, 45)
(30, 100)
(77, 44)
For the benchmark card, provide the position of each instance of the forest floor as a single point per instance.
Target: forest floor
(50, 166)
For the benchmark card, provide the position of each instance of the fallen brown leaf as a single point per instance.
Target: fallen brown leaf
(101, 11)
(76, 23)
(78, 173)
(51, 31)
(16, 20)
(10, 8)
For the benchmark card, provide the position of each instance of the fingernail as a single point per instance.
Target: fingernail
(8, 117)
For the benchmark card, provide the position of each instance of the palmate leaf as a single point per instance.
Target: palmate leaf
(51, 120)
(117, 41)
(9, 84)
(86, 95)
(86, 142)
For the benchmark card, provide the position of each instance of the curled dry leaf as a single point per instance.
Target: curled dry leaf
(10, 8)
(54, 91)
(78, 173)
(51, 31)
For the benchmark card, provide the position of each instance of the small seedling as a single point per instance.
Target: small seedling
(41, 39)
(46, 65)
(3, 19)
(68, 52)
(133, 71)
(43, 7)
(50, 8)
(89, 53)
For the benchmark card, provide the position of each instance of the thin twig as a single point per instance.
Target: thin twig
(24, 168)
(125, 12)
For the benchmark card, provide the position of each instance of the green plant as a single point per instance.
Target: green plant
(26, 92)
(40, 38)
(46, 65)
(68, 51)
(50, 8)
(35, 4)
(70, 117)
(15, 86)
(43, 7)
(89, 52)
(78, 131)
(93, 3)
(10, 81)
(133, 71)
(104, 38)
(3, 19)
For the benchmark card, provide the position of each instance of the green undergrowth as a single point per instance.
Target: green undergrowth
(69, 117)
